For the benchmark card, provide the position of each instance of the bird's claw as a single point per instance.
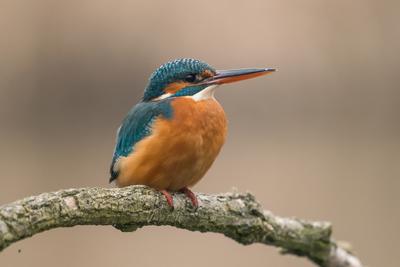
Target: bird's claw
(169, 198)
(191, 196)
(187, 192)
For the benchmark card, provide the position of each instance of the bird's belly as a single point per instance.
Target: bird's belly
(180, 150)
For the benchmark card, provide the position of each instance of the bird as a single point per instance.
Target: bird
(170, 139)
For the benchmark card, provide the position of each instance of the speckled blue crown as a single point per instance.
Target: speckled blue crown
(170, 72)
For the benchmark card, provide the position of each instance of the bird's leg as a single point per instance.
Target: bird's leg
(168, 197)
(191, 196)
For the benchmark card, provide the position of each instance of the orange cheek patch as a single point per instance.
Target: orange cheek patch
(207, 74)
(172, 88)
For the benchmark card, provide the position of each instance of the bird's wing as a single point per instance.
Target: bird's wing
(136, 126)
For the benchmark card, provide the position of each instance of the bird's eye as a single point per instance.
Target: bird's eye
(190, 78)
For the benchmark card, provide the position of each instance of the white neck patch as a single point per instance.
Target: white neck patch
(204, 94)
(166, 95)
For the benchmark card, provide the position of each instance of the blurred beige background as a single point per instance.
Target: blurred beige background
(319, 139)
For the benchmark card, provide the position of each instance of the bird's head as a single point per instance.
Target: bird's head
(188, 77)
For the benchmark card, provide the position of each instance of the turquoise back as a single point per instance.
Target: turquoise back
(136, 126)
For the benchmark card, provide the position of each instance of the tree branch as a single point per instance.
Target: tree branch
(237, 216)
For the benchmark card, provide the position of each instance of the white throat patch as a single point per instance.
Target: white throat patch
(166, 95)
(206, 93)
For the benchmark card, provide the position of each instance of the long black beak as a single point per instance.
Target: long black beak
(230, 76)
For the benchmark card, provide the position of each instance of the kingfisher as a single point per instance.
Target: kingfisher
(171, 138)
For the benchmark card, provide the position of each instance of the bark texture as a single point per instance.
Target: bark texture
(237, 216)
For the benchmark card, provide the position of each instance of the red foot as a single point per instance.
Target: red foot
(168, 197)
(191, 196)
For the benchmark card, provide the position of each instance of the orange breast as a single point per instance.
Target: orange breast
(179, 151)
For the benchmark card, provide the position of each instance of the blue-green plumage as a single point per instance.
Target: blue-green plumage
(190, 90)
(170, 72)
(189, 128)
(136, 126)
(138, 123)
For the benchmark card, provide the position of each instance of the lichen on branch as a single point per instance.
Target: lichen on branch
(237, 216)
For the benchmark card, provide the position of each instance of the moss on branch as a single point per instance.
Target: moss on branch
(237, 216)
